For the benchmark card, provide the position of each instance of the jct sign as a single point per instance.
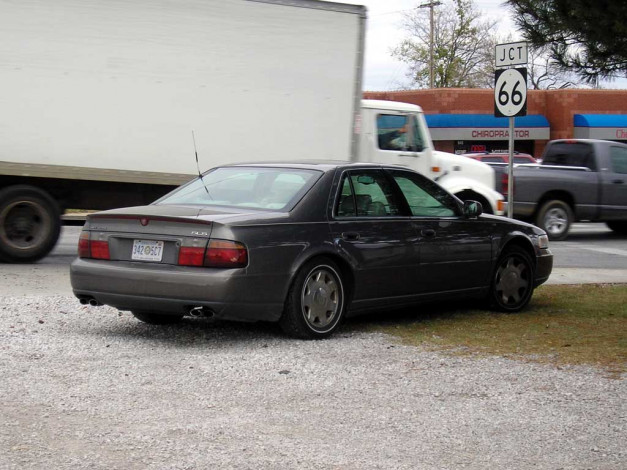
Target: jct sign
(507, 55)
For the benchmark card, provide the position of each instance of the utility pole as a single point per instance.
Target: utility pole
(432, 4)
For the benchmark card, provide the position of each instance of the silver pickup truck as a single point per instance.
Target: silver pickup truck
(578, 180)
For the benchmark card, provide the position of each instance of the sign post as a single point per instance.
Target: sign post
(510, 98)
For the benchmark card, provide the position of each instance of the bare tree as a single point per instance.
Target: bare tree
(463, 46)
(543, 74)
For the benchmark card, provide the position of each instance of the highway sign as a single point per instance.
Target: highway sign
(510, 92)
(507, 55)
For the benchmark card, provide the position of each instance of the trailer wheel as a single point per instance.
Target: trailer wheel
(555, 218)
(30, 223)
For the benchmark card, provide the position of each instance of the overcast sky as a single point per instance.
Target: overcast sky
(384, 32)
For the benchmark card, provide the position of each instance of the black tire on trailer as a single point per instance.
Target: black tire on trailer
(618, 226)
(30, 222)
(555, 218)
(157, 318)
(316, 301)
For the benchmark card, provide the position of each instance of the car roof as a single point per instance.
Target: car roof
(321, 165)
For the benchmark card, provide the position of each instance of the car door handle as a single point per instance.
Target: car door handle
(350, 236)
(427, 232)
(618, 181)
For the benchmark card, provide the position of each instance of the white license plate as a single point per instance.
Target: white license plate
(147, 250)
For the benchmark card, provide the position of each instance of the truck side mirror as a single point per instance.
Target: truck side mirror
(472, 209)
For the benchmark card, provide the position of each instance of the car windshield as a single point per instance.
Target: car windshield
(269, 188)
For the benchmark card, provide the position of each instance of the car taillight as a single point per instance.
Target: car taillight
(226, 254)
(191, 255)
(83, 245)
(97, 249)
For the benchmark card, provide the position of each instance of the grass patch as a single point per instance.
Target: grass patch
(562, 325)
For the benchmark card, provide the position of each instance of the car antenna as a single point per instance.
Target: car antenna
(197, 164)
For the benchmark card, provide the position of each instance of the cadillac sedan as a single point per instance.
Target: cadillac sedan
(304, 245)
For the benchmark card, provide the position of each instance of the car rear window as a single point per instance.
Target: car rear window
(270, 188)
(570, 154)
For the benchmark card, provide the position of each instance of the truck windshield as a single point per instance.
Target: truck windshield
(277, 189)
(570, 154)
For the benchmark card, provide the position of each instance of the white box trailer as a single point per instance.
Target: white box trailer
(99, 100)
(119, 85)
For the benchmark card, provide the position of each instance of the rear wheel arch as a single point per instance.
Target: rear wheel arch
(346, 270)
(558, 195)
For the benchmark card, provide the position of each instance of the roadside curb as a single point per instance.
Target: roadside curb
(587, 276)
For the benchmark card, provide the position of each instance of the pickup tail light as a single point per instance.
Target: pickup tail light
(226, 254)
(504, 183)
(96, 249)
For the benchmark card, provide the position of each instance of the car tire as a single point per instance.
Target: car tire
(157, 318)
(619, 227)
(512, 282)
(30, 224)
(316, 301)
(555, 218)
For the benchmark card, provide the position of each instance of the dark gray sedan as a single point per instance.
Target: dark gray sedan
(304, 244)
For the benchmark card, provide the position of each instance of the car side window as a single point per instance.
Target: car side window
(424, 197)
(618, 156)
(366, 194)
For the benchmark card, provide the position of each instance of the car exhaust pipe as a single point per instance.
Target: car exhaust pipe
(200, 312)
(89, 300)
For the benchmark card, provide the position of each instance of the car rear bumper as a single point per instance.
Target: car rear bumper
(544, 266)
(228, 293)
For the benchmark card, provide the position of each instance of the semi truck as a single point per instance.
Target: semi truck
(105, 104)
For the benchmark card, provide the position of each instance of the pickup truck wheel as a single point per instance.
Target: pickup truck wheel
(30, 223)
(315, 303)
(512, 283)
(619, 227)
(555, 218)
(157, 318)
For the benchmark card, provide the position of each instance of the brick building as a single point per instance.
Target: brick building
(462, 120)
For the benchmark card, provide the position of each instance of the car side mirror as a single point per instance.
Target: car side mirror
(472, 209)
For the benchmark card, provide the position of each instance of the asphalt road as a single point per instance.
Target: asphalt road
(592, 253)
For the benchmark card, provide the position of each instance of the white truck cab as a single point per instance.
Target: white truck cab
(397, 133)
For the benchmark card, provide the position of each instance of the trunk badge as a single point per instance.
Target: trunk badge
(144, 221)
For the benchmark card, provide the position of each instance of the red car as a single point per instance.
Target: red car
(501, 157)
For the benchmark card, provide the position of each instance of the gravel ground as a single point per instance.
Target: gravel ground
(94, 388)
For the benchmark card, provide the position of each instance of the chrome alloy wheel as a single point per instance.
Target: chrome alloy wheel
(24, 224)
(321, 298)
(556, 221)
(513, 281)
